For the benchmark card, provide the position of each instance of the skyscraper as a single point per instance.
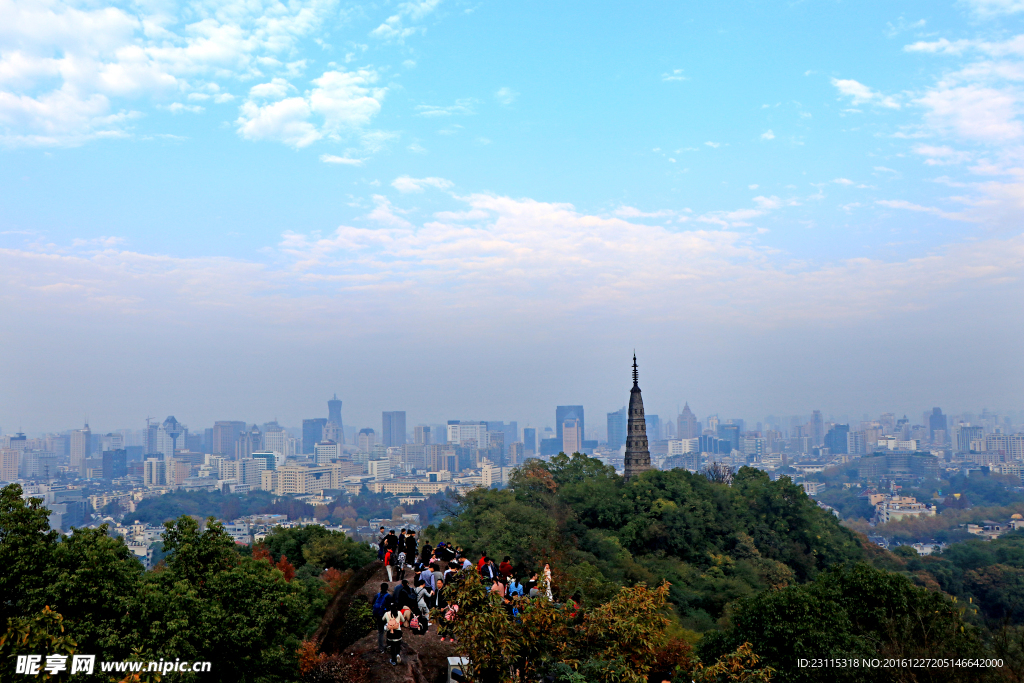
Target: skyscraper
(837, 439)
(115, 464)
(81, 440)
(730, 433)
(367, 439)
(393, 432)
(563, 413)
(312, 433)
(617, 428)
(334, 430)
(572, 437)
(334, 410)
(817, 428)
(530, 440)
(225, 434)
(937, 422)
(686, 424)
(638, 457)
(421, 435)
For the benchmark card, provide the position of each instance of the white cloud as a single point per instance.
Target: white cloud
(633, 212)
(843, 181)
(713, 144)
(462, 107)
(405, 184)
(674, 75)
(974, 112)
(396, 28)
(862, 94)
(285, 121)
(768, 135)
(910, 206)
(941, 155)
(101, 61)
(752, 187)
(506, 95)
(342, 101)
(994, 8)
(346, 161)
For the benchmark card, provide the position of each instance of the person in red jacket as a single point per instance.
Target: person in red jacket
(387, 563)
(481, 562)
(506, 567)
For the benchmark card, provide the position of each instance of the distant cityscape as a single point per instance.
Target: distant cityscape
(79, 473)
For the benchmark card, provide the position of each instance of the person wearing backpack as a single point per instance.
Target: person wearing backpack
(382, 602)
(392, 624)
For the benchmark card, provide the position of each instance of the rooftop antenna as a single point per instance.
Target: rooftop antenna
(635, 375)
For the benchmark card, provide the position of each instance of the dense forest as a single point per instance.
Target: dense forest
(749, 561)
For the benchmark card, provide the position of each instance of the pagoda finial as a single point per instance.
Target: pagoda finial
(635, 375)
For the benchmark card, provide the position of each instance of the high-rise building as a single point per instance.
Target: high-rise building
(638, 456)
(367, 439)
(572, 437)
(530, 440)
(617, 428)
(686, 424)
(81, 444)
(563, 413)
(10, 459)
(249, 442)
(817, 428)
(653, 427)
(730, 433)
(334, 411)
(275, 439)
(463, 433)
(312, 433)
(225, 434)
(393, 431)
(155, 472)
(516, 456)
(937, 422)
(968, 436)
(421, 435)
(115, 464)
(326, 452)
(837, 439)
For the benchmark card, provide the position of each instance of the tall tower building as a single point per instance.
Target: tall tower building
(312, 433)
(572, 436)
(686, 424)
(617, 429)
(334, 410)
(563, 413)
(817, 428)
(638, 457)
(393, 432)
(80, 449)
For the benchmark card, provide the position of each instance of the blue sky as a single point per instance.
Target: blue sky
(778, 203)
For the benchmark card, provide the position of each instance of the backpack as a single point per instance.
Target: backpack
(378, 605)
(414, 623)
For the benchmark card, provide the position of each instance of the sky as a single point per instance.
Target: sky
(234, 209)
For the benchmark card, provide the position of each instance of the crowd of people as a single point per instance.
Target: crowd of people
(416, 602)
